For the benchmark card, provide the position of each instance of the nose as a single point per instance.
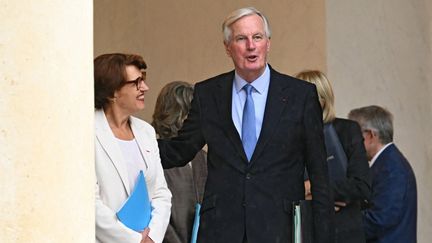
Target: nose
(250, 44)
(143, 86)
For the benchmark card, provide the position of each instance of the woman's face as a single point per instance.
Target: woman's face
(130, 98)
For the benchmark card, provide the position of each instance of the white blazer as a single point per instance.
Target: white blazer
(112, 183)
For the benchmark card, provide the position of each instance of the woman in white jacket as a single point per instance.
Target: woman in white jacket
(125, 145)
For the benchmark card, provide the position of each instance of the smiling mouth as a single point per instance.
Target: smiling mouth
(140, 97)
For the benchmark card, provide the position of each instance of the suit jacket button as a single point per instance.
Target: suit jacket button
(248, 176)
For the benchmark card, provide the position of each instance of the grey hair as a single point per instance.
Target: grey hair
(238, 14)
(374, 118)
(172, 107)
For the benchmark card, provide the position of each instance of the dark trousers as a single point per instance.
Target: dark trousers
(245, 238)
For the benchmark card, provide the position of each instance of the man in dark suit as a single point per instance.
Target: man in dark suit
(392, 214)
(261, 128)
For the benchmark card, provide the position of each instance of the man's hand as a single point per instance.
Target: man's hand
(145, 237)
(308, 194)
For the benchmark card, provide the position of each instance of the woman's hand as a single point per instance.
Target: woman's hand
(145, 237)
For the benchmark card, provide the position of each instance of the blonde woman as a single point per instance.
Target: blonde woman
(344, 142)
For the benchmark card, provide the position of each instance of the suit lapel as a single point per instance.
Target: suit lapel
(376, 166)
(224, 107)
(277, 99)
(107, 140)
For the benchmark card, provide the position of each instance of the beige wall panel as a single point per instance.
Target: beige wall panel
(46, 115)
(182, 40)
(379, 52)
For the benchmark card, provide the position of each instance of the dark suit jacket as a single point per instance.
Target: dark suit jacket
(392, 217)
(355, 188)
(254, 198)
(187, 187)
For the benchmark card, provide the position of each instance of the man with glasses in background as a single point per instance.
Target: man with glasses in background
(391, 214)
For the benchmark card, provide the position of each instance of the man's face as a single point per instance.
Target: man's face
(368, 136)
(248, 47)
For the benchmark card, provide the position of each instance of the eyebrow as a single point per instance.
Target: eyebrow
(259, 33)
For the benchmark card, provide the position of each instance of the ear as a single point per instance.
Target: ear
(268, 45)
(227, 49)
(114, 98)
(373, 134)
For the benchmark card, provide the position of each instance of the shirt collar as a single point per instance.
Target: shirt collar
(377, 154)
(260, 84)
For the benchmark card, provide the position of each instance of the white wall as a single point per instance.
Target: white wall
(379, 52)
(46, 116)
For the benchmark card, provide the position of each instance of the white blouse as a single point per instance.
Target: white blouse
(134, 160)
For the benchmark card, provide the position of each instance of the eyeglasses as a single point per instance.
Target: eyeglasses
(138, 82)
(369, 131)
(366, 130)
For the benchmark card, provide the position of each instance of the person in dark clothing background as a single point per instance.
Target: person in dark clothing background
(392, 213)
(353, 187)
(185, 183)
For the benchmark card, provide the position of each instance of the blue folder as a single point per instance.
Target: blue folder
(196, 223)
(136, 212)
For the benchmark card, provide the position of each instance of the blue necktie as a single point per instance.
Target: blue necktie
(248, 123)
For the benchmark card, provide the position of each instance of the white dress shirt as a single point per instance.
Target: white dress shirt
(377, 154)
(259, 95)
